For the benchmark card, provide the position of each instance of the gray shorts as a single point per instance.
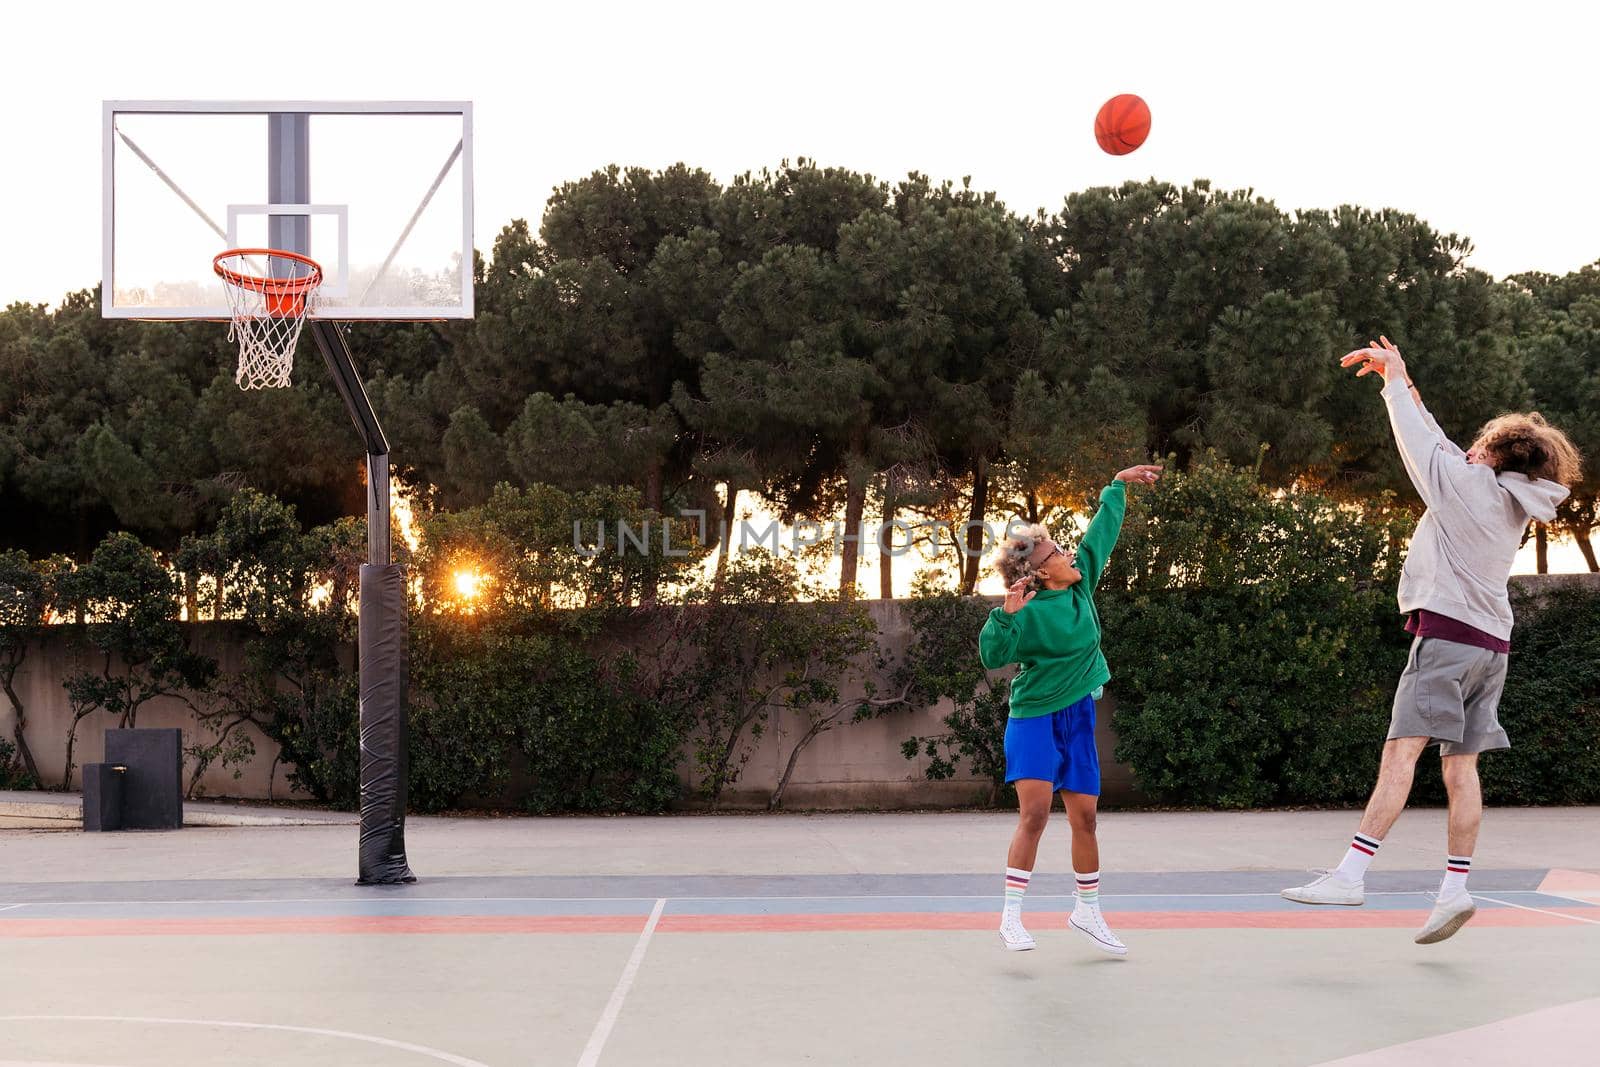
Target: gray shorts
(1450, 694)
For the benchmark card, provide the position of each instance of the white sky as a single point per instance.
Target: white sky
(1478, 117)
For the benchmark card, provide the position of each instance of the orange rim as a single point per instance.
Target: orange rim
(285, 297)
(271, 286)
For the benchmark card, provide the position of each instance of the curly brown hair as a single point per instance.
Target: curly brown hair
(1012, 555)
(1527, 444)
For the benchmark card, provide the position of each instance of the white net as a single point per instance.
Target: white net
(269, 294)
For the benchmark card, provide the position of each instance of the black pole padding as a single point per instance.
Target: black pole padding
(382, 643)
(336, 353)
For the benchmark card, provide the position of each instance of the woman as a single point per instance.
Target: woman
(1049, 625)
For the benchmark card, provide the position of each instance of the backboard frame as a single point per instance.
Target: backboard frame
(111, 109)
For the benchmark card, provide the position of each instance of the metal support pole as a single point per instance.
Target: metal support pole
(289, 179)
(381, 642)
(378, 525)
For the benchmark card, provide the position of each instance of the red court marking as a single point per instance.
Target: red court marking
(1329, 919)
(1559, 881)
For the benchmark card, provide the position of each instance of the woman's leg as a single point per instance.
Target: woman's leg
(1033, 812)
(1081, 808)
(1086, 917)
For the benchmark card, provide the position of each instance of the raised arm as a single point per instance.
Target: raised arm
(1428, 420)
(1095, 548)
(1383, 344)
(1101, 538)
(1432, 462)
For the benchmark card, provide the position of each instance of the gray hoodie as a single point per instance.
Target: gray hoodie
(1462, 552)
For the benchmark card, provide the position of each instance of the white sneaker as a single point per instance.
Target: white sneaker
(1449, 915)
(1091, 924)
(1328, 889)
(1013, 934)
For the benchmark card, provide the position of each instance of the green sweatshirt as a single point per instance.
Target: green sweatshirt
(1056, 635)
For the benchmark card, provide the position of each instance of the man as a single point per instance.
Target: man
(1453, 593)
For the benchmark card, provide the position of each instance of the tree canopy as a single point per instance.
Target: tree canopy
(847, 349)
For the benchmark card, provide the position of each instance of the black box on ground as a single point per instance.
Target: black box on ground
(152, 789)
(102, 796)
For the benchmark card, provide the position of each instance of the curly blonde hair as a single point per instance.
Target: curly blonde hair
(1012, 556)
(1527, 444)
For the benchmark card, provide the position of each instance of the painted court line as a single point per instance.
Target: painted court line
(792, 922)
(9, 907)
(608, 1018)
(1541, 911)
(386, 1042)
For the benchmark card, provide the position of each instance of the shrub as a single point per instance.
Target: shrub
(12, 774)
(1253, 640)
(1551, 706)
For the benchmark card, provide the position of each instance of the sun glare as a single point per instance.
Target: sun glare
(469, 584)
(400, 505)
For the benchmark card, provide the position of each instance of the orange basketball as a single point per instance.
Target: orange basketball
(1123, 124)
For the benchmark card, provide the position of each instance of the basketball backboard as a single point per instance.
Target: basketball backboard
(378, 193)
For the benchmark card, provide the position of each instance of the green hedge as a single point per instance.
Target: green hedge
(1252, 636)
(543, 690)
(1250, 697)
(522, 710)
(1551, 707)
(1255, 646)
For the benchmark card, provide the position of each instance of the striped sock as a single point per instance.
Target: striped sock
(1456, 869)
(1353, 868)
(1089, 889)
(1016, 885)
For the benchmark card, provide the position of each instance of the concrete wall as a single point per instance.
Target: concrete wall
(62, 653)
(853, 766)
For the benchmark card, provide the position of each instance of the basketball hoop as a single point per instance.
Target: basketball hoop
(269, 292)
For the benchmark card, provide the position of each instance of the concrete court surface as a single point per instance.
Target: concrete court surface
(819, 939)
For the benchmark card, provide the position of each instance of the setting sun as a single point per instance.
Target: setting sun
(469, 584)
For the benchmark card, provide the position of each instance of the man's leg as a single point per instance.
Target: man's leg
(1454, 906)
(1466, 803)
(1344, 884)
(1481, 732)
(1395, 772)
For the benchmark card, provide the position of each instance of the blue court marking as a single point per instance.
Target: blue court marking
(724, 905)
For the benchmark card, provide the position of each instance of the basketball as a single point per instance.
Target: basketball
(1122, 124)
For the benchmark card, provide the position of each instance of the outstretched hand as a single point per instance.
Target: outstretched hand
(1379, 357)
(1018, 595)
(1143, 474)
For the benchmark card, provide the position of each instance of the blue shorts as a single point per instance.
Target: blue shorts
(1057, 748)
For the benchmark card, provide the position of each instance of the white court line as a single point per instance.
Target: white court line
(608, 1018)
(404, 1046)
(1541, 911)
(8, 907)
